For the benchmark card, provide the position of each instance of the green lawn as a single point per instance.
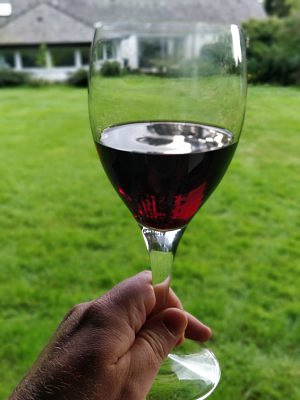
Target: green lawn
(65, 238)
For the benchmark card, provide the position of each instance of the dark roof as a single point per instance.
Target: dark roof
(44, 23)
(234, 11)
(70, 20)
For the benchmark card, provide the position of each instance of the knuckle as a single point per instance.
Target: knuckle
(79, 308)
(76, 310)
(70, 322)
(94, 313)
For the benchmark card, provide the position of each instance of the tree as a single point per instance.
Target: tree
(274, 50)
(295, 6)
(282, 8)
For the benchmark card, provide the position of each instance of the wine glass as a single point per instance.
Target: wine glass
(167, 105)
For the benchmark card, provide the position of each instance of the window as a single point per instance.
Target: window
(99, 50)
(5, 9)
(7, 58)
(62, 56)
(111, 50)
(179, 45)
(106, 50)
(152, 49)
(30, 57)
(85, 54)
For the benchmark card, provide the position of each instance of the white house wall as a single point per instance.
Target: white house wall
(129, 51)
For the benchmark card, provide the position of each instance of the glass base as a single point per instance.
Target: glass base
(186, 377)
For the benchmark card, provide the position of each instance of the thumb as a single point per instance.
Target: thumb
(154, 342)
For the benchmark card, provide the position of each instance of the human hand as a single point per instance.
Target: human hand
(111, 348)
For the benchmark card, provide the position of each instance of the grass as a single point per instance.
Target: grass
(65, 238)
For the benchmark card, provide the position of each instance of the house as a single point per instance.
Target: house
(51, 38)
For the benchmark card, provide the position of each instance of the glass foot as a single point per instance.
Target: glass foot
(186, 377)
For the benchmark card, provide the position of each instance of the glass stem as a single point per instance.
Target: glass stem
(161, 246)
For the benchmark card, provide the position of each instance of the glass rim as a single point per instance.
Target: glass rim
(164, 26)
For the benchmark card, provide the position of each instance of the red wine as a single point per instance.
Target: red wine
(164, 171)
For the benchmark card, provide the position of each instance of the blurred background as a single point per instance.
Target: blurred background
(65, 239)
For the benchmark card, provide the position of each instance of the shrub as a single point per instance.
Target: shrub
(41, 60)
(38, 83)
(79, 78)
(274, 50)
(111, 68)
(9, 77)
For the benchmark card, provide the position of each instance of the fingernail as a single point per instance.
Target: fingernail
(175, 321)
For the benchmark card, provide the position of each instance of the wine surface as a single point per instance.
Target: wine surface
(164, 171)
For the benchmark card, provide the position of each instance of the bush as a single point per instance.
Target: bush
(274, 50)
(38, 83)
(9, 78)
(79, 78)
(111, 68)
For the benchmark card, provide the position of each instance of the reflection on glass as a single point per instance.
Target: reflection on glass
(168, 51)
